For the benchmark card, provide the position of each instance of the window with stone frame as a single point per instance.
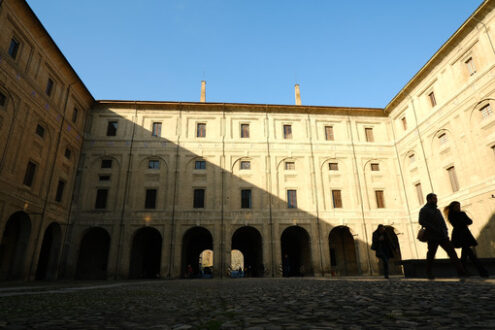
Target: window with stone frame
(246, 202)
(154, 164)
(337, 199)
(244, 131)
(29, 174)
(291, 199)
(333, 166)
(14, 48)
(67, 153)
(150, 201)
(404, 123)
(329, 133)
(443, 138)
(245, 165)
(470, 66)
(112, 128)
(199, 198)
(380, 201)
(368, 131)
(74, 115)
(101, 198)
(201, 130)
(433, 100)
(419, 193)
(412, 158)
(375, 167)
(290, 166)
(156, 129)
(287, 131)
(40, 131)
(454, 183)
(49, 87)
(106, 163)
(200, 165)
(486, 111)
(60, 191)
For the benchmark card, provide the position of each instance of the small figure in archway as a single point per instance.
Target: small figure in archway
(383, 247)
(462, 237)
(189, 271)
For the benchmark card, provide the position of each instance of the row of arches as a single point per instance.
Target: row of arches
(197, 245)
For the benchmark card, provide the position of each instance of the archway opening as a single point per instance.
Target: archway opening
(93, 255)
(395, 267)
(49, 253)
(248, 241)
(195, 241)
(14, 245)
(236, 263)
(296, 252)
(343, 259)
(146, 253)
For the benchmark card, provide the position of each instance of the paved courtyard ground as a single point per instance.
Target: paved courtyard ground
(353, 303)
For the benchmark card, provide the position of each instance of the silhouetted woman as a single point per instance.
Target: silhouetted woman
(461, 235)
(383, 247)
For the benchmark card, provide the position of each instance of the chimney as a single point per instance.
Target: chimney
(203, 91)
(298, 94)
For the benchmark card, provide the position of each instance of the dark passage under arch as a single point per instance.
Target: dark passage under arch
(50, 249)
(296, 252)
(343, 259)
(14, 245)
(146, 252)
(93, 255)
(248, 240)
(195, 241)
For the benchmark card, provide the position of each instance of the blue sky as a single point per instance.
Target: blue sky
(342, 53)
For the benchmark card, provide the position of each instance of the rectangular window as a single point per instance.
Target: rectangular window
(154, 164)
(106, 163)
(470, 66)
(60, 191)
(432, 99)
(245, 165)
(29, 175)
(419, 193)
(112, 128)
(3, 99)
(486, 111)
(13, 48)
(201, 130)
(291, 199)
(337, 199)
(104, 177)
(200, 165)
(157, 129)
(290, 166)
(244, 130)
(74, 115)
(150, 202)
(375, 167)
(199, 198)
(40, 130)
(404, 123)
(369, 134)
(49, 87)
(329, 133)
(443, 138)
(333, 166)
(67, 153)
(453, 179)
(101, 198)
(246, 199)
(412, 158)
(380, 202)
(287, 132)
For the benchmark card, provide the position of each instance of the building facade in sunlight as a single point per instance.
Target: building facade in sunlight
(141, 189)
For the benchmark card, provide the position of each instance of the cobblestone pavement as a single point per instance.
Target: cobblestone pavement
(357, 303)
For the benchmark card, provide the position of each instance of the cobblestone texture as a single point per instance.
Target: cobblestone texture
(363, 303)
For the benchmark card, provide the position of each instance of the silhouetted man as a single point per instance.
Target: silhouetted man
(431, 218)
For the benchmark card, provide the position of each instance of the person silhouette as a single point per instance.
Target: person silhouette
(383, 247)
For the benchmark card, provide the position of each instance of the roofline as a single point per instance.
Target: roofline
(37, 20)
(437, 54)
(237, 104)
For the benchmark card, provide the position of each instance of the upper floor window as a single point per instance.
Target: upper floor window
(443, 138)
(369, 134)
(200, 165)
(154, 164)
(412, 158)
(419, 193)
(329, 133)
(246, 199)
(156, 129)
(486, 111)
(104, 177)
(375, 167)
(40, 130)
(291, 199)
(3, 99)
(112, 128)
(13, 48)
(101, 199)
(244, 130)
(150, 201)
(470, 66)
(290, 166)
(67, 153)
(60, 191)
(433, 100)
(245, 165)
(199, 199)
(380, 202)
(201, 130)
(337, 199)
(49, 87)
(333, 166)
(106, 163)
(287, 131)
(404, 123)
(29, 174)
(454, 183)
(74, 115)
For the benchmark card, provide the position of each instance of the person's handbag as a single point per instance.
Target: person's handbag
(422, 235)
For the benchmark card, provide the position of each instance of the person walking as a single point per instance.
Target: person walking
(462, 237)
(383, 247)
(431, 218)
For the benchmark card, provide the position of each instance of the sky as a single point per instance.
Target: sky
(342, 53)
